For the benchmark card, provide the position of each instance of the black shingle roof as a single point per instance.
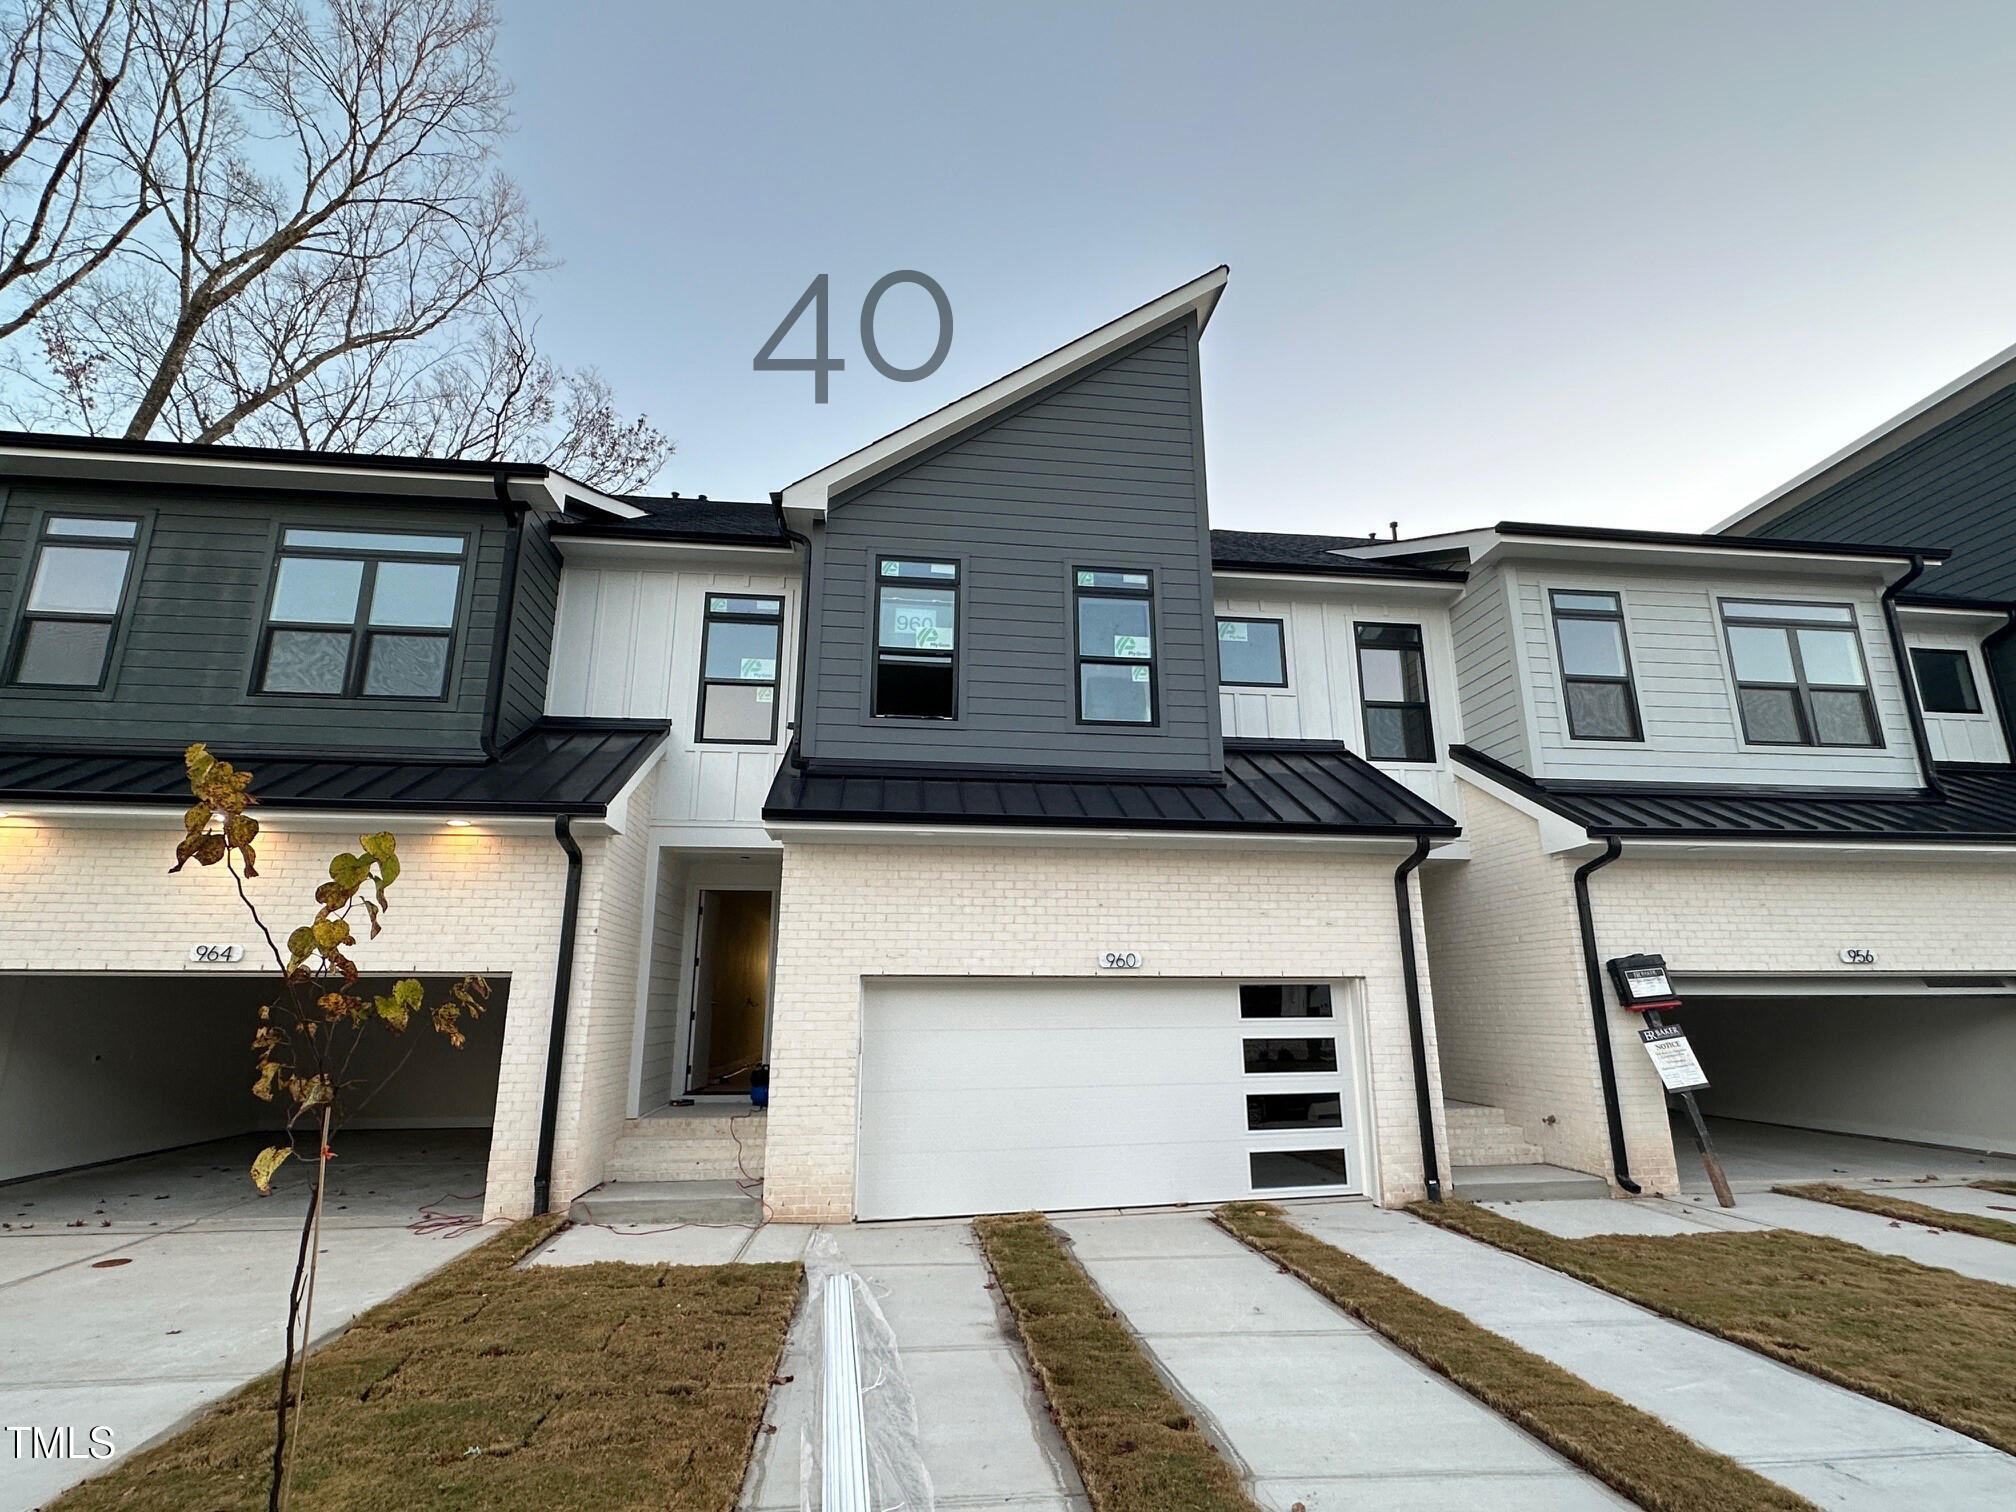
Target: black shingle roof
(724, 521)
(1271, 551)
(1979, 808)
(559, 766)
(1284, 787)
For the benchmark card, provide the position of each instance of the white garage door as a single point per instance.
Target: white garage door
(991, 1097)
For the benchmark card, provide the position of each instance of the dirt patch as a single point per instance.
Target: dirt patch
(486, 1386)
(1929, 1341)
(1137, 1448)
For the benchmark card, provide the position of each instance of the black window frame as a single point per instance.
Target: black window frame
(26, 617)
(1080, 660)
(1801, 689)
(708, 620)
(1629, 680)
(1973, 684)
(1366, 705)
(956, 583)
(360, 630)
(1281, 628)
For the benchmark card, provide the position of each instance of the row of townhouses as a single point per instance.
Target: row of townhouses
(1037, 844)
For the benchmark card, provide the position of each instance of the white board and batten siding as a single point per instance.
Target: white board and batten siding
(627, 646)
(1961, 737)
(1321, 701)
(1683, 681)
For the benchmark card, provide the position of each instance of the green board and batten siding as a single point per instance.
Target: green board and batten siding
(1105, 470)
(182, 664)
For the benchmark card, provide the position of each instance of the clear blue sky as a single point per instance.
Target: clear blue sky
(1597, 262)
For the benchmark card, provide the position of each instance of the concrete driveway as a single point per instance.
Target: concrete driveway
(133, 1294)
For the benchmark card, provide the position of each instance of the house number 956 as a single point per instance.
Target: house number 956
(819, 364)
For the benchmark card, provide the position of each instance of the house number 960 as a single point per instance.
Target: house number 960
(1120, 960)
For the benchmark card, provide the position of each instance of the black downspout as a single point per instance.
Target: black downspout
(1910, 676)
(1410, 976)
(804, 630)
(556, 1037)
(500, 647)
(1991, 646)
(1606, 1067)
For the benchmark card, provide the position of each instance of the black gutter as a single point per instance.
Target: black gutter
(804, 608)
(1909, 675)
(1532, 530)
(1606, 1067)
(1363, 574)
(38, 441)
(1410, 976)
(500, 635)
(556, 1036)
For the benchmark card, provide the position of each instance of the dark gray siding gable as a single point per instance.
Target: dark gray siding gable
(1105, 470)
(182, 666)
(1954, 486)
(529, 653)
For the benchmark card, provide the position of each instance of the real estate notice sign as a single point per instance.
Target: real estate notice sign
(1673, 1058)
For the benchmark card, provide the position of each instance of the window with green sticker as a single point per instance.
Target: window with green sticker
(739, 652)
(916, 639)
(1114, 615)
(1251, 654)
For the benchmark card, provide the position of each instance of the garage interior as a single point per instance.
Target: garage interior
(106, 1067)
(1932, 1067)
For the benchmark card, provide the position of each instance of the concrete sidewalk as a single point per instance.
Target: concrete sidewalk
(983, 1428)
(1837, 1448)
(1968, 1254)
(1314, 1407)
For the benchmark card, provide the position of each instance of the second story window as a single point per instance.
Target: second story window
(739, 647)
(1393, 679)
(1115, 617)
(76, 589)
(1800, 677)
(361, 614)
(1945, 681)
(916, 639)
(1595, 666)
(1250, 654)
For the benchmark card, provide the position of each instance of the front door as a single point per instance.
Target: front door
(731, 990)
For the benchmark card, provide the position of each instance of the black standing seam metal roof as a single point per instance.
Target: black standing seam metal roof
(1979, 808)
(1277, 787)
(559, 766)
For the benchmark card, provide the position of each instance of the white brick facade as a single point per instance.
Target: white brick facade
(854, 911)
(89, 898)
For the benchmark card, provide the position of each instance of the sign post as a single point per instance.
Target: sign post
(1644, 987)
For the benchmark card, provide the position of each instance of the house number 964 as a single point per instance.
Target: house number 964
(819, 364)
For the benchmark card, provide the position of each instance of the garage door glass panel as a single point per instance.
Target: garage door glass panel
(1271, 1111)
(1298, 1168)
(1295, 1000)
(1274, 1057)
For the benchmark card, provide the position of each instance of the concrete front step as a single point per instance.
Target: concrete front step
(1481, 1135)
(668, 1202)
(1526, 1181)
(688, 1145)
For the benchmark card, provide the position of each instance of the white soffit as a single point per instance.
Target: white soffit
(1199, 296)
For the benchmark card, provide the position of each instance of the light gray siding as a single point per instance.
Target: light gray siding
(1685, 689)
(1487, 674)
(1104, 471)
(183, 661)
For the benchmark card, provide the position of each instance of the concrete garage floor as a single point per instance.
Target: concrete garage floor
(1758, 1156)
(199, 1306)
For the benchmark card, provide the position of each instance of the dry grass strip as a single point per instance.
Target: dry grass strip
(1883, 1205)
(1137, 1448)
(2006, 1188)
(1926, 1340)
(1628, 1450)
(484, 1386)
